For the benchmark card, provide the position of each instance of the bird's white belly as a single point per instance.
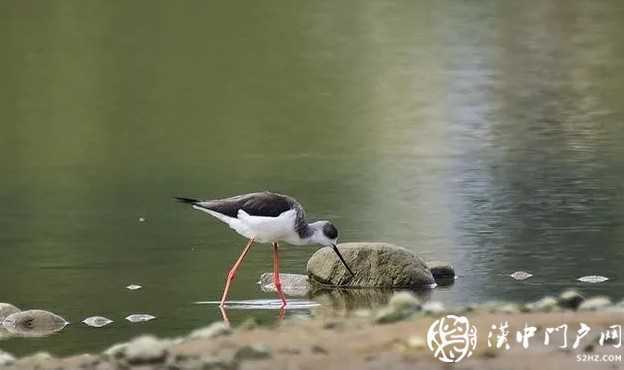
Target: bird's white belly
(265, 229)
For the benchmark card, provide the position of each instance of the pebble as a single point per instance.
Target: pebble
(253, 352)
(593, 279)
(216, 329)
(7, 309)
(595, 303)
(145, 350)
(318, 349)
(521, 275)
(97, 321)
(140, 317)
(570, 299)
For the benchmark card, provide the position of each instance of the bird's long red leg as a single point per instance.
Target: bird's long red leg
(232, 274)
(276, 278)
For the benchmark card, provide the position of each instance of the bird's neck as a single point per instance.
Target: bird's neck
(305, 234)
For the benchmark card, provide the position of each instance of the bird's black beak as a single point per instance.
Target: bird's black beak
(335, 248)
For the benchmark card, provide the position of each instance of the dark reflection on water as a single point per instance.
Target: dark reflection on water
(484, 133)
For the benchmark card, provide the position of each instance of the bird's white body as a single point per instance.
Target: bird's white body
(261, 228)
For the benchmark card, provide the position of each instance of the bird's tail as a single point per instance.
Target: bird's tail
(186, 200)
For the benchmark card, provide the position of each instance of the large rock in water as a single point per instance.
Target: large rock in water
(375, 265)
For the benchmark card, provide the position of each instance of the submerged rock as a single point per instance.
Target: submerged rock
(570, 299)
(443, 272)
(97, 321)
(375, 265)
(593, 279)
(295, 285)
(34, 323)
(140, 317)
(7, 309)
(521, 275)
(595, 303)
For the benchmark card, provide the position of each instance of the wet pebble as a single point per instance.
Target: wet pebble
(595, 303)
(140, 317)
(6, 359)
(570, 299)
(256, 351)
(134, 287)
(593, 279)
(34, 323)
(521, 275)
(7, 309)
(97, 321)
(216, 329)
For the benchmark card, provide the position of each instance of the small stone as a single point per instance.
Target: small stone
(7, 309)
(416, 342)
(253, 352)
(134, 287)
(570, 299)
(593, 279)
(97, 321)
(433, 308)
(546, 304)
(145, 350)
(216, 329)
(140, 317)
(595, 303)
(295, 285)
(318, 349)
(6, 359)
(521, 275)
(34, 323)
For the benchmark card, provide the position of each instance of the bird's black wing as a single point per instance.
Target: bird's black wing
(265, 204)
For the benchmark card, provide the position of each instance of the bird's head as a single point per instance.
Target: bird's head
(325, 233)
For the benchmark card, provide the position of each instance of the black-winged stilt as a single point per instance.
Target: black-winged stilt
(267, 218)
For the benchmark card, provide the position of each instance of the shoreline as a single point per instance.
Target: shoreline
(392, 337)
